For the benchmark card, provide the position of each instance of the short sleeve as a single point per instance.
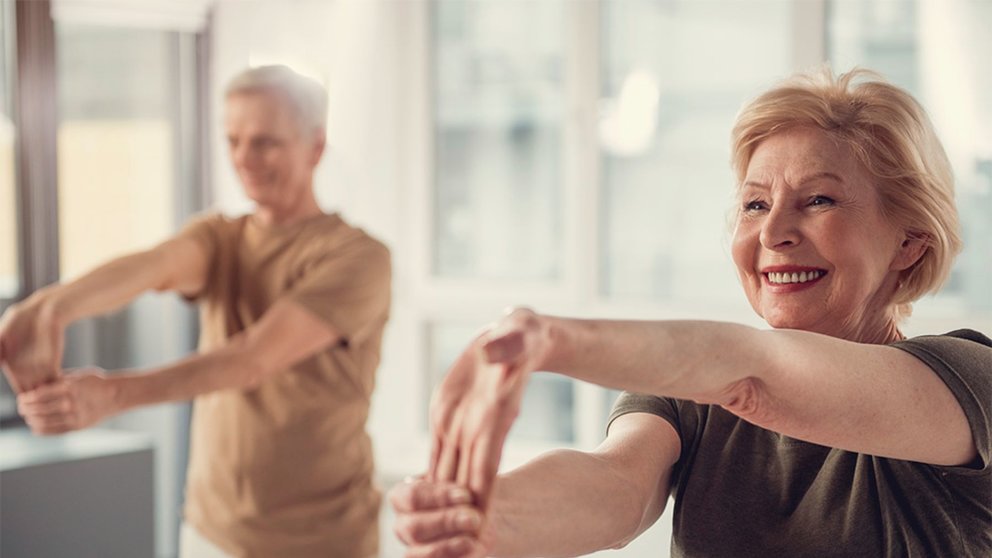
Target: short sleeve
(205, 231)
(348, 288)
(663, 407)
(963, 361)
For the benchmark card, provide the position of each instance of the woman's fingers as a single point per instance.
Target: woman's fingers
(436, 519)
(424, 495)
(484, 464)
(431, 526)
(450, 449)
(460, 547)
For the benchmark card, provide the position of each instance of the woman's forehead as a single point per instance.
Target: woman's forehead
(801, 155)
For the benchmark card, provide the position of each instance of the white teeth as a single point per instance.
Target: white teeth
(801, 277)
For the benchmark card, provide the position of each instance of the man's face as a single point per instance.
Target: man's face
(273, 156)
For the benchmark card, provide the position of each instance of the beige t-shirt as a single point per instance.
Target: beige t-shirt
(285, 469)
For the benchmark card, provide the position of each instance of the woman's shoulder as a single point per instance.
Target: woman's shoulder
(958, 341)
(962, 350)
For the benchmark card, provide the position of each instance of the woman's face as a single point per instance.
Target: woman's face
(811, 245)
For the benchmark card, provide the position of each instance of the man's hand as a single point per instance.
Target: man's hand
(31, 344)
(477, 402)
(438, 519)
(80, 399)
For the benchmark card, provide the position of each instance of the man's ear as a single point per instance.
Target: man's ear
(319, 143)
(913, 246)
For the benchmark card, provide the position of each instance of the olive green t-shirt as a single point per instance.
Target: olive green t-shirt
(741, 490)
(285, 469)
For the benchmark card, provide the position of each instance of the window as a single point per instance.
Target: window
(10, 272)
(674, 75)
(498, 127)
(118, 132)
(498, 108)
(10, 269)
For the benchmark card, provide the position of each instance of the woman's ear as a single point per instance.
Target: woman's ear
(913, 246)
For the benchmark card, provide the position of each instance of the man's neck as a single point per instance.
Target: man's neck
(268, 216)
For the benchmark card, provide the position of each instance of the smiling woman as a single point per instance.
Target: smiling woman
(830, 434)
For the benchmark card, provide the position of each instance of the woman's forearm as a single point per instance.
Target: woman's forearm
(698, 360)
(542, 508)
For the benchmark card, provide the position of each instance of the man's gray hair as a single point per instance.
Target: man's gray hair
(306, 96)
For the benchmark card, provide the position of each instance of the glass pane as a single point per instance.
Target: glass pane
(498, 119)
(941, 57)
(9, 268)
(116, 141)
(674, 76)
(546, 414)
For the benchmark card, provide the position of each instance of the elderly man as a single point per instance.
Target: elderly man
(293, 303)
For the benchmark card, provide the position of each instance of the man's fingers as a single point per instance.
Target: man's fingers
(50, 426)
(421, 495)
(460, 547)
(426, 527)
(59, 406)
(44, 393)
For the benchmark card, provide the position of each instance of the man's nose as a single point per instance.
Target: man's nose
(240, 154)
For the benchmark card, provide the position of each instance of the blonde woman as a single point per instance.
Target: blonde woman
(830, 434)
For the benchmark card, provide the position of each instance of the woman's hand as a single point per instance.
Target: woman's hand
(31, 343)
(80, 399)
(477, 402)
(438, 519)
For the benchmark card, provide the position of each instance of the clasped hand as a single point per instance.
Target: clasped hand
(471, 414)
(81, 398)
(31, 344)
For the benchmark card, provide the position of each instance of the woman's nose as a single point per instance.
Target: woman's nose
(780, 229)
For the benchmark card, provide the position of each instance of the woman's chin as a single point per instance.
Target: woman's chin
(787, 320)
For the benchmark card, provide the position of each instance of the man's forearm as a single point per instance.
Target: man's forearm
(695, 360)
(542, 508)
(105, 288)
(230, 367)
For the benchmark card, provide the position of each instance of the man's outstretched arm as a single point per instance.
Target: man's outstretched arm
(32, 331)
(286, 334)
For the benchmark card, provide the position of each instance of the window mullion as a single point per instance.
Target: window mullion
(36, 114)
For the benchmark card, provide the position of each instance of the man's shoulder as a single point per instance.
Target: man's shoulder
(345, 236)
(214, 220)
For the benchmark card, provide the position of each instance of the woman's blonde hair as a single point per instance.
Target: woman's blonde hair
(892, 136)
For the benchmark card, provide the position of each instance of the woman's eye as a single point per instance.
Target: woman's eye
(821, 200)
(754, 205)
